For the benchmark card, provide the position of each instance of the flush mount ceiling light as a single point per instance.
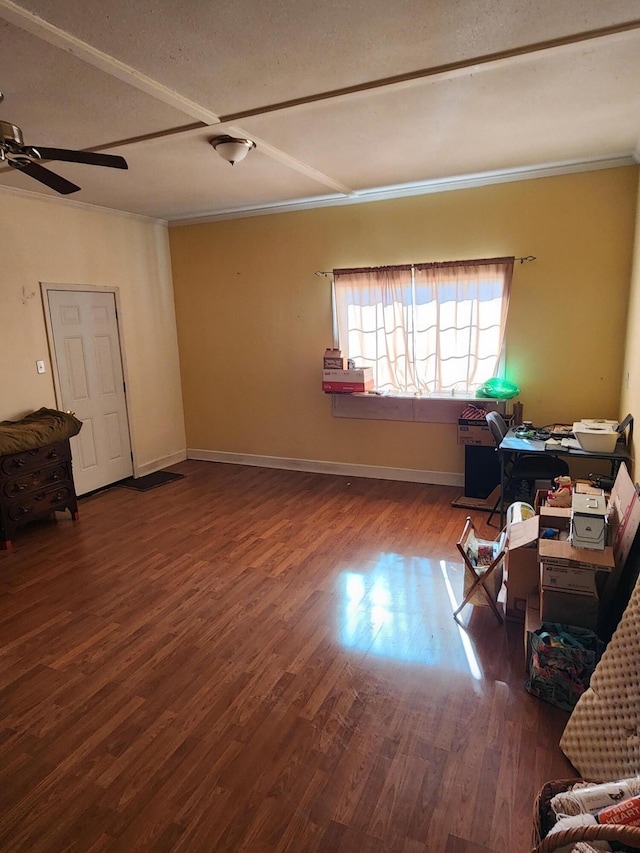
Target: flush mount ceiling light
(232, 149)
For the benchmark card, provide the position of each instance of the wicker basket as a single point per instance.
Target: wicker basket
(544, 819)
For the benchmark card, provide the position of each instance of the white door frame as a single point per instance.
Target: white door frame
(45, 287)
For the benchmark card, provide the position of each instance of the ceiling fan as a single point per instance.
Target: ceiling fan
(26, 159)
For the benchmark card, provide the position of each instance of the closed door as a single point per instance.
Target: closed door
(87, 354)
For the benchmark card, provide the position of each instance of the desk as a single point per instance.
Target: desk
(513, 445)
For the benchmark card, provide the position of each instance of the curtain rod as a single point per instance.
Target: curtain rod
(522, 260)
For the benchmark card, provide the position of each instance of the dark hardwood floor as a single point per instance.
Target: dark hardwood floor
(259, 660)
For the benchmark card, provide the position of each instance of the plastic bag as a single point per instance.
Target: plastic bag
(498, 389)
(561, 662)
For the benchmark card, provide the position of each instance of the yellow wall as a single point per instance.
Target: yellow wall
(254, 320)
(57, 242)
(630, 395)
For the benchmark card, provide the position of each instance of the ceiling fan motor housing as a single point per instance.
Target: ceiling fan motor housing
(27, 159)
(10, 135)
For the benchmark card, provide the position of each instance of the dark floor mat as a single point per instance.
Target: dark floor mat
(150, 481)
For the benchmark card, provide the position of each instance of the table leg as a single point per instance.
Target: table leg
(501, 490)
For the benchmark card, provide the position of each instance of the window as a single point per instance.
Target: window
(425, 328)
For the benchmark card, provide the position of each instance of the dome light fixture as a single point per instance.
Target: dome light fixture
(232, 149)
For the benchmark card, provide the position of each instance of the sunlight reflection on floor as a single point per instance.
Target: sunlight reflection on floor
(402, 609)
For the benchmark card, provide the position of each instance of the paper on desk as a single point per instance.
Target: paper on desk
(571, 444)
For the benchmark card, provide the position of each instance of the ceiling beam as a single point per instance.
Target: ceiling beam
(446, 68)
(25, 20)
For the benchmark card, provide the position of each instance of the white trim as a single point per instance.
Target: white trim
(159, 464)
(439, 185)
(344, 469)
(81, 205)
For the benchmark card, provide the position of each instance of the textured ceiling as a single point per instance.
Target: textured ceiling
(345, 101)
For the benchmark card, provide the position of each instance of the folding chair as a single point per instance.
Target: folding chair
(526, 466)
(483, 564)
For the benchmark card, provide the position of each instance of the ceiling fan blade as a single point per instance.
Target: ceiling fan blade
(56, 182)
(113, 161)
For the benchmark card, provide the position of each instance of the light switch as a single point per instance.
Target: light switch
(40, 367)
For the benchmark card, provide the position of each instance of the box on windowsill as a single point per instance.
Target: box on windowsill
(347, 381)
(333, 360)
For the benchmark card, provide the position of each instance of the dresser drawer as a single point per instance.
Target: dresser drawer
(28, 460)
(22, 486)
(39, 503)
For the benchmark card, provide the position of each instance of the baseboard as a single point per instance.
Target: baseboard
(159, 464)
(344, 469)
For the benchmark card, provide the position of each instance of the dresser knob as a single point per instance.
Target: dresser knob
(18, 463)
(52, 454)
(40, 497)
(19, 487)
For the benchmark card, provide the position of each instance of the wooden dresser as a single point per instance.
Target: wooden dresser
(34, 484)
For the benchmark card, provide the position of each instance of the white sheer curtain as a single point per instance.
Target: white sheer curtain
(425, 329)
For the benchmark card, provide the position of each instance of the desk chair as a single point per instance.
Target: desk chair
(525, 466)
(481, 582)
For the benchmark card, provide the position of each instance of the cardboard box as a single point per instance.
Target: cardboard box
(583, 488)
(556, 552)
(569, 608)
(335, 363)
(624, 520)
(333, 360)
(532, 622)
(522, 568)
(474, 431)
(580, 486)
(540, 499)
(347, 381)
(558, 517)
(568, 578)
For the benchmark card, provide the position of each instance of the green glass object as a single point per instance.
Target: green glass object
(498, 389)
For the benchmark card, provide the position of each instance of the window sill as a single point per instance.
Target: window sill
(442, 409)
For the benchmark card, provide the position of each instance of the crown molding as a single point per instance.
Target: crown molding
(79, 205)
(439, 185)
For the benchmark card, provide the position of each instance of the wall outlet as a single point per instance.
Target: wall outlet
(40, 367)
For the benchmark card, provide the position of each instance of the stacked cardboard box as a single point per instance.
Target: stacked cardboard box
(521, 566)
(577, 585)
(347, 381)
(569, 577)
(333, 360)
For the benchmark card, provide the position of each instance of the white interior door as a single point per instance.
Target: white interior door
(86, 341)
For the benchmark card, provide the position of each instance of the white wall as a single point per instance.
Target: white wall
(63, 242)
